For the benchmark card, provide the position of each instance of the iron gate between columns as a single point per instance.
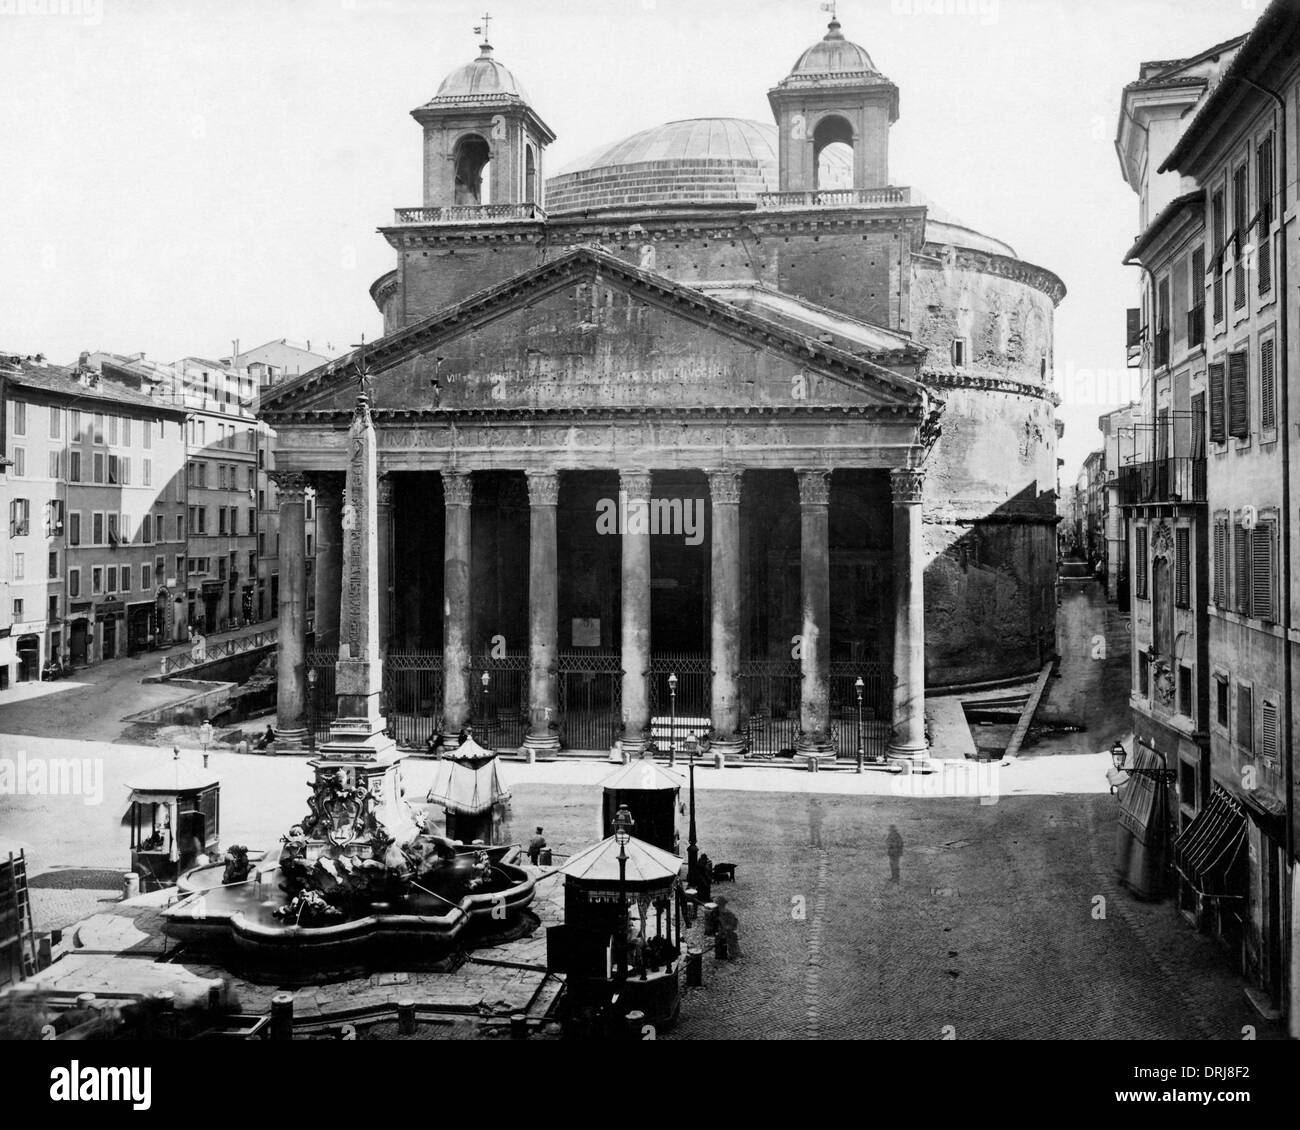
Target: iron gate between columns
(591, 700)
(412, 699)
(770, 695)
(500, 711)
(694, 694)
(877, 708)
(769, 705)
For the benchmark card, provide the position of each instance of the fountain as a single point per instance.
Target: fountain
(362, 881)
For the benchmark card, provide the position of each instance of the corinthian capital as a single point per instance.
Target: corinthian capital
(457, 488)
(724, 486)
(635, 485)
(292, 485)
(906, 483)
(543, 488)
(814, 486)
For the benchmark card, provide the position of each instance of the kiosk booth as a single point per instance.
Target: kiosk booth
(174, 817)
(650, 793)
(469, 787)
(621, 942)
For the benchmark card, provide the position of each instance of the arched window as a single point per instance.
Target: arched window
(473, 171)
(530, 176)
(833, 153)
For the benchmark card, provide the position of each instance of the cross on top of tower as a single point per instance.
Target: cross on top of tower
(483, 29)
(829, 6)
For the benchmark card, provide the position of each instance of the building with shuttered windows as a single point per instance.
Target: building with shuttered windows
(1237, 152)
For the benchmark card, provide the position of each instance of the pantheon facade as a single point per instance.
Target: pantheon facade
(717, 424)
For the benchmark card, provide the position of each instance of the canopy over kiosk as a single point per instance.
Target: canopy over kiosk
(174, 817)
(469, 787)
(622, 933)
(650, 793)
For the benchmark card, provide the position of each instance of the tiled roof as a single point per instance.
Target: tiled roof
(61, 381)
(1280, 17)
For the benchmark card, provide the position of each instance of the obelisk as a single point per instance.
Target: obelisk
(357, 741)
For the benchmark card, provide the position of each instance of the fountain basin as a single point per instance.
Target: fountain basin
(238, 924)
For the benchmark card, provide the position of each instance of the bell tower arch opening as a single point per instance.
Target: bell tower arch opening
(472, 159)
(833, 112)
(483, 141)
(833, 153)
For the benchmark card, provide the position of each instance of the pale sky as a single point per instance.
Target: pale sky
(175, 175)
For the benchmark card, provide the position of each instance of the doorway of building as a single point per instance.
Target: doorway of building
(110, 638)
(77, 643)
(29, 659)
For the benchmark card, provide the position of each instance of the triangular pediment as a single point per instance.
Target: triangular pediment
(589, 332)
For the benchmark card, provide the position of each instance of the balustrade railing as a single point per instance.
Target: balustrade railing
(837, 197)
(203, 652)
(469, 214)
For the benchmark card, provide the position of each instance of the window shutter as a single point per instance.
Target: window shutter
(1220, 561)
(1261, 571)
(1268, 729)
(1141, 561)
(1218, 415)
(1241, 570)
(1238, 396)
(1182, 568)
(1198, 426)
(1245, 718)
(1267, 386)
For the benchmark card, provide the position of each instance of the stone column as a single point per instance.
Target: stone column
(908, 740)
(457, 696)
(329, 558)
(815, 587)
(543, 615)
(634, 514)
(384, 498)
(291, 667)
(724, 492)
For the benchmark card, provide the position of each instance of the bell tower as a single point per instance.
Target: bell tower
(483, 142)
(834, 96)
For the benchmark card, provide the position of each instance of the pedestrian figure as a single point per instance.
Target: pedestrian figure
(894, 848)
(535, 846)
(815, 816)
(267, 739)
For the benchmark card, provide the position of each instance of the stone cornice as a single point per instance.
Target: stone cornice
(960, 378)
(628, 226)
(340, 418)
(1002, 266)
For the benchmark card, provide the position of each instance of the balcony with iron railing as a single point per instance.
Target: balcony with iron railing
(1162, 480)
(886, 197)
(470, 214)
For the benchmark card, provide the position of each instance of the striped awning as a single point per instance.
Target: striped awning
(1140, 796)
(1211, 853)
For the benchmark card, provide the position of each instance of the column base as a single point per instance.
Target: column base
(633, 749)
(733, 749)
(914, 758)
(291, 739)
(544, 747)
(445, 742)
(813, 746)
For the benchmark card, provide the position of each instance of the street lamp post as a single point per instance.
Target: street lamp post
(692, 851)
(312, 676)
(861, 752)
(622, 833)
(486, 680)
(672, 723)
